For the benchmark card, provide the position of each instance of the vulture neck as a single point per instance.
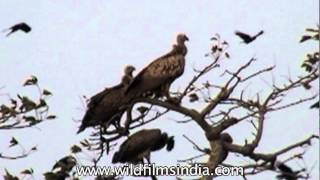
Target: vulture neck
(182, 48)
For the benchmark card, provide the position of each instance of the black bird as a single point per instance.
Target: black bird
(21, 26)
(104, 108)
(246, 37)
(286, 172)
(225, 138)
(139, 146)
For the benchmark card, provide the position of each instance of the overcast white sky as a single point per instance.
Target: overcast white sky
(79, 47)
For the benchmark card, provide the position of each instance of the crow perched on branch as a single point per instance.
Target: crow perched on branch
(21, 26)
(246, 37)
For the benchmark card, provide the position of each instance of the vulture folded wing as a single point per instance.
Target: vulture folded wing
(96, 99)
(139, 142)
(102, 107)
(160, 71)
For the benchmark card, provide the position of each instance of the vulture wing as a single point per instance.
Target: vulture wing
(138, 143)
(162, 70)
(103, 107)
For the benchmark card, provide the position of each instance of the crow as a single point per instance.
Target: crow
(20, 26)
(247, 38)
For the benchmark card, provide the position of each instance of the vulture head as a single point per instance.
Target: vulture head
(225, 137)
(128, 75)
(181, 38)
(128, 70)
(140, 145)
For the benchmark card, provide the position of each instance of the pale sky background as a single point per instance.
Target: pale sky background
(79, 47)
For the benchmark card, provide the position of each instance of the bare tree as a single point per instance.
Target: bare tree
(223, 106)
(20, 113)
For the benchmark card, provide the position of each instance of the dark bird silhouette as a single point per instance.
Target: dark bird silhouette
(139, 146)
(107, 106)
(246, 37)
(225, 138)
(159, 74)
(21, 26)
(286, 173)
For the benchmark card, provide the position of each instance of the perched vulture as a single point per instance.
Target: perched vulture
(159, 74)
(106, 107)
(225, 138)
(21, 26)
(247, 38)
(139, 146)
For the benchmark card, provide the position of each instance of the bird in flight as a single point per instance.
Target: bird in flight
(248, 38)
(21, 26)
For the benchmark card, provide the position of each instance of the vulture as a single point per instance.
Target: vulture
(225, 138)
(21, 26)
(247, 38)
(107, 106)
(139, 146)
(159, 74)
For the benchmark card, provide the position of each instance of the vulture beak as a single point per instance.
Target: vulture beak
(186, 38)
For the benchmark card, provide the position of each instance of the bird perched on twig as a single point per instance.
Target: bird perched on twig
(106, 107)
(21, 26)
(139, 146)
(159, 74)
(246, 37)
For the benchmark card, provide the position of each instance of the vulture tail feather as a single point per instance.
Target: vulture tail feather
(170, 143)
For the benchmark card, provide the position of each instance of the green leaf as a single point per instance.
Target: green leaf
(13, 142)
(312, 30)
(9, 176)
(142, 109)
(51, 117)
(305, 38)
(27, 171)
(29, 118)
(75, 149)
(227, 55)
(31, 81)
(193, 97)
(34, 148)
(46, 92)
